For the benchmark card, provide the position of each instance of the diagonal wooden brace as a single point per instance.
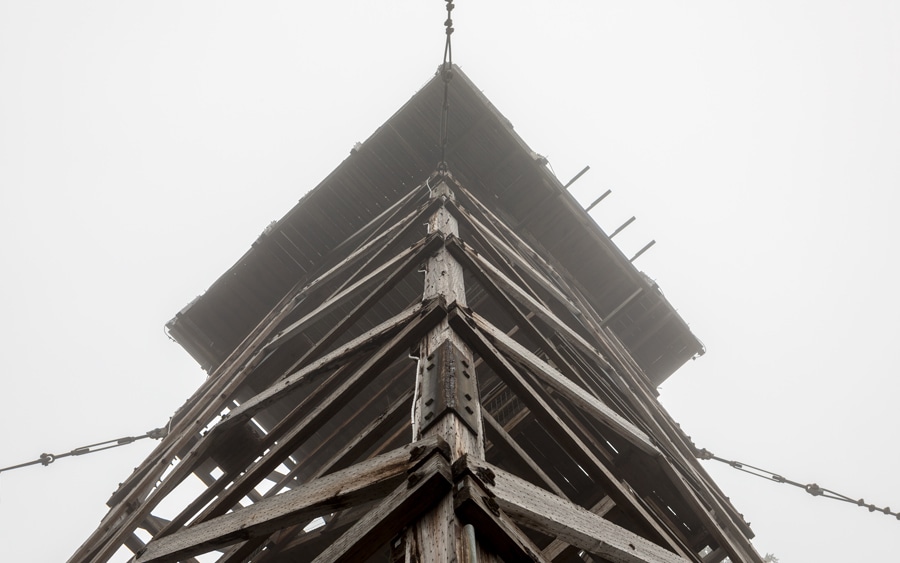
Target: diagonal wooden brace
(357, 484)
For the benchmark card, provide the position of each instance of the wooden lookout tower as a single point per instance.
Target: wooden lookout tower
(424, 365)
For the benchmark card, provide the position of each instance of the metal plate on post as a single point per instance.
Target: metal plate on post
(448, 384)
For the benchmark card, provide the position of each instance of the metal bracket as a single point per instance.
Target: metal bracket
(448, 384)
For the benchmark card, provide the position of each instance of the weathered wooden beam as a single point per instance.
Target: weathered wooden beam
(370, 338)
(476, 506)
(557, 546)
(541, 510)
(476, 262)
(504, 441)
(367, 437)
(386, 275)
(517, 259)
(363, 440)
(446, 402)
(330, 405)
(423, 489)
(146, 487)
(715, 556)
(377, 224)
(359, 483)
(559, 383)
(308, 402)
(623, 496)
(415, 223)
(367, 251)
(525, 249)
(738, 548)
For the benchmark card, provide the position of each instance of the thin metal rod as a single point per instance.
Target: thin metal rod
(598, 200)
(643, 250)
(621, 306)
(470, 542)
(620, 229)
(579, 175)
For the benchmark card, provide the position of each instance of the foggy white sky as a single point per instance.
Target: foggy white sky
(145, 145)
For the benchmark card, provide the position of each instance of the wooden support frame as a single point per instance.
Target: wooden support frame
(474, 505)
(349, 387)
(423, 489)
(559, 383)
(359, 483)
(594, 425)
(622, 495)
(542, 510)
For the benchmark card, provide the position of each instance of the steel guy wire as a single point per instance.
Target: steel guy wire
(47, 458)
(812, 488)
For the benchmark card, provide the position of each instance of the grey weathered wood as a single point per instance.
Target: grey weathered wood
(349, 387)
(550, 376)
(473, 260)
(557, 546)
(534, 507)
(739, 549)
(437, 535)
(367, 250)
(517, 259)
(623, 496)
(397, 265)
(359, 483)
(507, 442)
(277, 390)
(474, 506)
(146, 486)
(373, 257)
(427, 486)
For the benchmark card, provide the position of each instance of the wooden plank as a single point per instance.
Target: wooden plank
(423, 489)
(739, 549)
(393, 233)
(557, 546)
(408, 226)
(376, 225)
(517, 259)
(359, 483)
(398, 265)
(541, 510)
(475, 506)
(366, 438)
(558, 382)
(330, 405)
(445, 365)
(248, 408)
(506, 442)
(468, 257)
(558, 429)
(310, 400)
(147, 486)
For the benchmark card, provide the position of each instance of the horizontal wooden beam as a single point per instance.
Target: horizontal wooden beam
(543, 511)
(423, 489)
(564, 386)
(558, 429)
(388, 271)
(356, 484)
(271, 394)
(292, 435)
(469, 258)
(557, 546)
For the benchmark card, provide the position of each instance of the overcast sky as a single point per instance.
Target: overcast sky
(145, 145)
